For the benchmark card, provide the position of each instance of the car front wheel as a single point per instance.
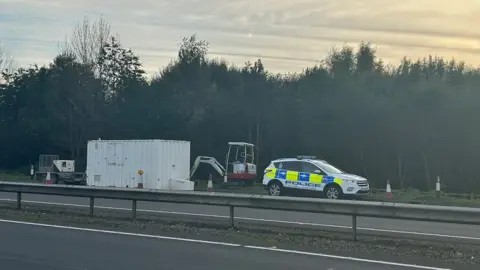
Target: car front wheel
(275, 189)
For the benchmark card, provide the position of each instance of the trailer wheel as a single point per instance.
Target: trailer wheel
(55, 179)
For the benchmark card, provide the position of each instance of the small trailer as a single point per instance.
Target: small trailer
(61, 171)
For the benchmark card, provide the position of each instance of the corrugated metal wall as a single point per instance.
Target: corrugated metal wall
(174, 162)
(115, 162)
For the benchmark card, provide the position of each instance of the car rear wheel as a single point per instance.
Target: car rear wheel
(275, 189)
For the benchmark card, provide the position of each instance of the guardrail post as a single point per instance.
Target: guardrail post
(19, 200)
(134, 209)
(232, 224)
(92, 201)
(354, 227)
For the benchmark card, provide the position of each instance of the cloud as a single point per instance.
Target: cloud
(288, 35)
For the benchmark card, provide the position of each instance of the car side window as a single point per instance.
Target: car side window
(292, 166)
(310, 168)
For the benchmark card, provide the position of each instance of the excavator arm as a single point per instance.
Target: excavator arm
(209, 160)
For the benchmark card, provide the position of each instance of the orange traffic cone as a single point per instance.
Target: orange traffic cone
(210, 184)
(48, 179)
(389, 190)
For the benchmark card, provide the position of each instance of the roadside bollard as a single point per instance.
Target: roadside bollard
(210, 184)
(388, 193)
(437, 187)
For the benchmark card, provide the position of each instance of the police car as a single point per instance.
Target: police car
(309, 173)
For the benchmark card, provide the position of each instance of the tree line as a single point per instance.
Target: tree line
(407, 123)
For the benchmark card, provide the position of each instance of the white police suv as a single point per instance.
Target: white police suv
(309, 173)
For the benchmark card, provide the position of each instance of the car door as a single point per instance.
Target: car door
(313, 174)
(288, 171)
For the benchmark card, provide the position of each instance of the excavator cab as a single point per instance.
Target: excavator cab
(239, 161)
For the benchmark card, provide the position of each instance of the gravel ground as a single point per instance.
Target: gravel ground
(460, 256)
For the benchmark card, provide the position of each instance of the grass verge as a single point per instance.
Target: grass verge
(14, 177)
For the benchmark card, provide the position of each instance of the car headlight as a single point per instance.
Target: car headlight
(350, 181)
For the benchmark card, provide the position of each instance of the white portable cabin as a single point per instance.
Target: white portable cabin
(115, 163)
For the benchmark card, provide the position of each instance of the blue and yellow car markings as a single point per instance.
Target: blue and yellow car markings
(305, 177)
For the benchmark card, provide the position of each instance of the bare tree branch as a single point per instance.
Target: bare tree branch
(6, 61)
(6, 65)
(87, 39)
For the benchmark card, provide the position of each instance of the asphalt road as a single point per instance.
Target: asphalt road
(386, 226)
(26, 247)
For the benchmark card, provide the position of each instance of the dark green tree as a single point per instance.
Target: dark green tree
(407, 123)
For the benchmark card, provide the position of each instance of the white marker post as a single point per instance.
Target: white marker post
(437, 187)
(31, 172)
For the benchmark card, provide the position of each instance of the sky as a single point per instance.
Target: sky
(287, 35)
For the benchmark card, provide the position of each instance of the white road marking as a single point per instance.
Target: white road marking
(346, 258)
(255, 219)
(119, 233)
(225, 244)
